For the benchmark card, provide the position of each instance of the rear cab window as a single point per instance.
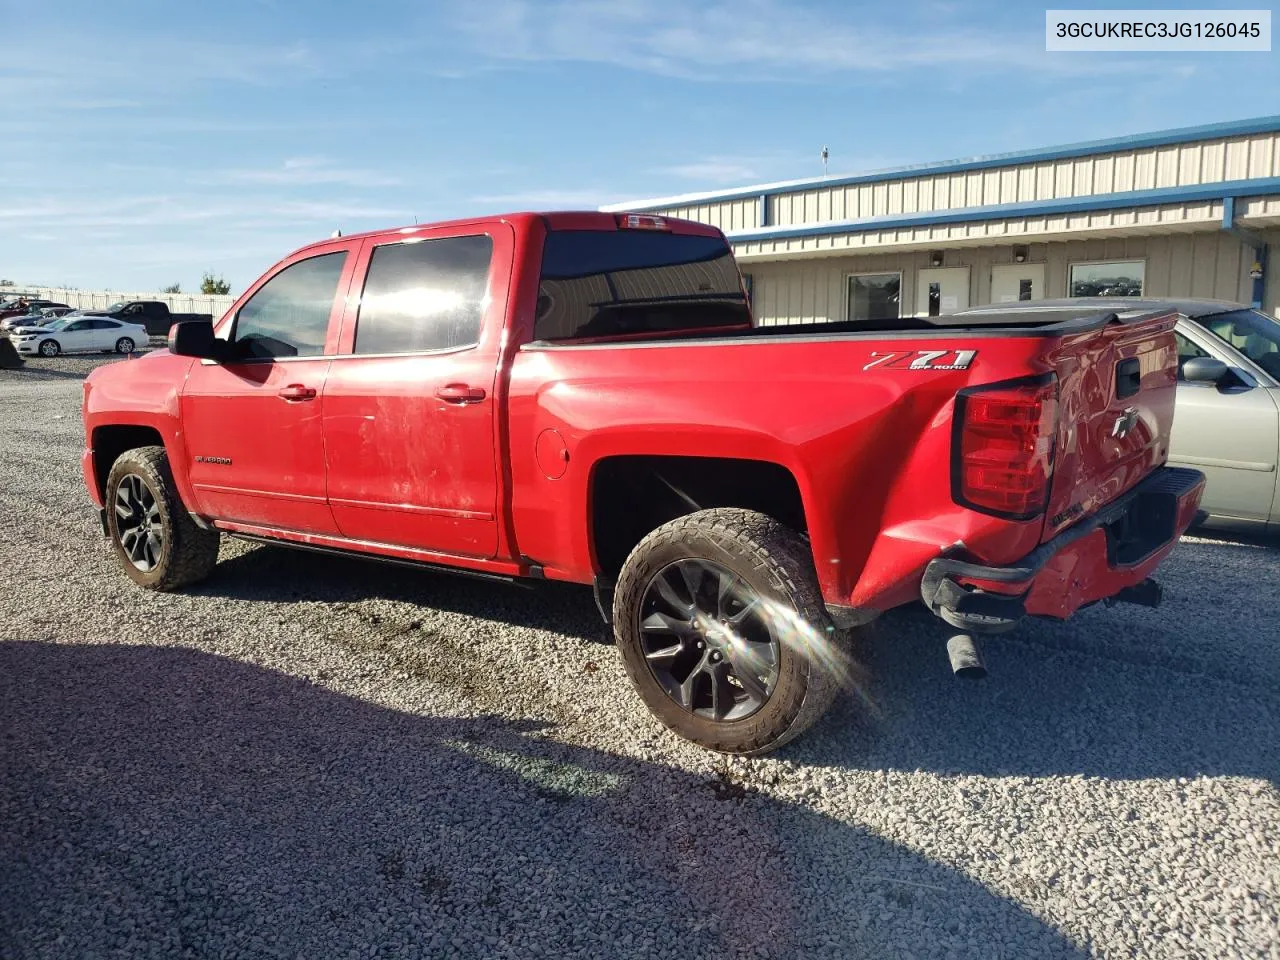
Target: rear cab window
(617, 283)
(424, 295)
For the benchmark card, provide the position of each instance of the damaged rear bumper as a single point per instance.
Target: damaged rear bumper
(1108, 556)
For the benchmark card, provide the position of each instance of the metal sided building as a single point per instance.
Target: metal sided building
(1180, 213)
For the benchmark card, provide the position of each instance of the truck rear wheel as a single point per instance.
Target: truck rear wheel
(159, 545)
(721, 627)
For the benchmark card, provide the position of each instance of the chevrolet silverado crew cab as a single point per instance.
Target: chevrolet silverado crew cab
(585, 397)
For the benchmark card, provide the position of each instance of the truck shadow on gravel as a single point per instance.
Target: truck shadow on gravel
(1120, 693)
(165, 802)
(282, 574)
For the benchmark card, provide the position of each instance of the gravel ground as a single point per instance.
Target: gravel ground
(313, 757)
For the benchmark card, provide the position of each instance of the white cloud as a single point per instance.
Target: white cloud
(160, 211)
(757, 39)
(587, 198)
(308, 171)
(715, 170)
(85, 60)
(92, 73)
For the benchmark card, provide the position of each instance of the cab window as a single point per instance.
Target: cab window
(424, 295)
(289, 314)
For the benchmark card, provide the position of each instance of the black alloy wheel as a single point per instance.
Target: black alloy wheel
(708, 640)
(721, 626)
(159, 544)
(139, 523)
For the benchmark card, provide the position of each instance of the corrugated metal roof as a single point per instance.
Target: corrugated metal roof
(1212, 131)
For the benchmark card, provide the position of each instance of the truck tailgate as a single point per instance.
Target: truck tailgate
(1116, 389)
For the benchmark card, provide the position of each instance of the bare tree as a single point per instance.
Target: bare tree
(172, 288)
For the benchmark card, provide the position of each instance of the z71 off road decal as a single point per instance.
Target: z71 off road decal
(921, 359)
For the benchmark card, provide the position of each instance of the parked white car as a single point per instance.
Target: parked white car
(77, 334)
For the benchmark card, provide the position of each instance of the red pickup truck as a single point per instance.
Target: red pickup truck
(585, 397)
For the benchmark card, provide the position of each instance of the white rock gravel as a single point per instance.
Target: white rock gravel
(310, 757)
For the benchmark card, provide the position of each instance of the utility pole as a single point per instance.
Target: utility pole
(825, 155)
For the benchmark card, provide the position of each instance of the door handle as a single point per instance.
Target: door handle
(296, 391)
(460, 393)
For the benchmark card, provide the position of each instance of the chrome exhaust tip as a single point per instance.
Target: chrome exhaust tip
(966, 660)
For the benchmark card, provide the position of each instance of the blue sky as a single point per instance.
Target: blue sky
(145, 142)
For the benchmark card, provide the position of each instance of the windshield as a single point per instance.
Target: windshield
(56, 324)
(115, 308)
(598, 283)
(1254, 334)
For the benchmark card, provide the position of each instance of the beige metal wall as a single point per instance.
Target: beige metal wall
(1177, 265)
(1271, 298)
(1122, 222)
(1207, 161)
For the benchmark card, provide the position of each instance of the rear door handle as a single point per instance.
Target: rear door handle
(296, 391)
(460, 393)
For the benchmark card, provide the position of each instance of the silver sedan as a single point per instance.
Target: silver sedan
(1227, 420)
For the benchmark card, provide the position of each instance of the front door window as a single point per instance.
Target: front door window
(288, 316)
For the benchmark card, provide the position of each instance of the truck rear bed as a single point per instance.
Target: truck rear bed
(865, 418)
(1115, 376)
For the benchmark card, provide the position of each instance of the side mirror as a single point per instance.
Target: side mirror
(1205, 370)
(194, 338)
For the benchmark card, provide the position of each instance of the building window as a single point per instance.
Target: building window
(1119, 279)
(874, 296)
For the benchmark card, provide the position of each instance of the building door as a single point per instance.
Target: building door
(1012, 282)
(941, 290)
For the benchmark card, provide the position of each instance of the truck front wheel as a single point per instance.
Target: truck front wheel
(721, 627)
(159, 545)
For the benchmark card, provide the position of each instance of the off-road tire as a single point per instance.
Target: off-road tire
(189, 553)
(776, 563)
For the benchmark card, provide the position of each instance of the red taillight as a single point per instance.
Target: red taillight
(637, 221)
(1003, 448)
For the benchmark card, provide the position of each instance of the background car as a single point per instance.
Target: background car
(1227, 421)
(75, 334)
(24, 320)
(24, 305)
